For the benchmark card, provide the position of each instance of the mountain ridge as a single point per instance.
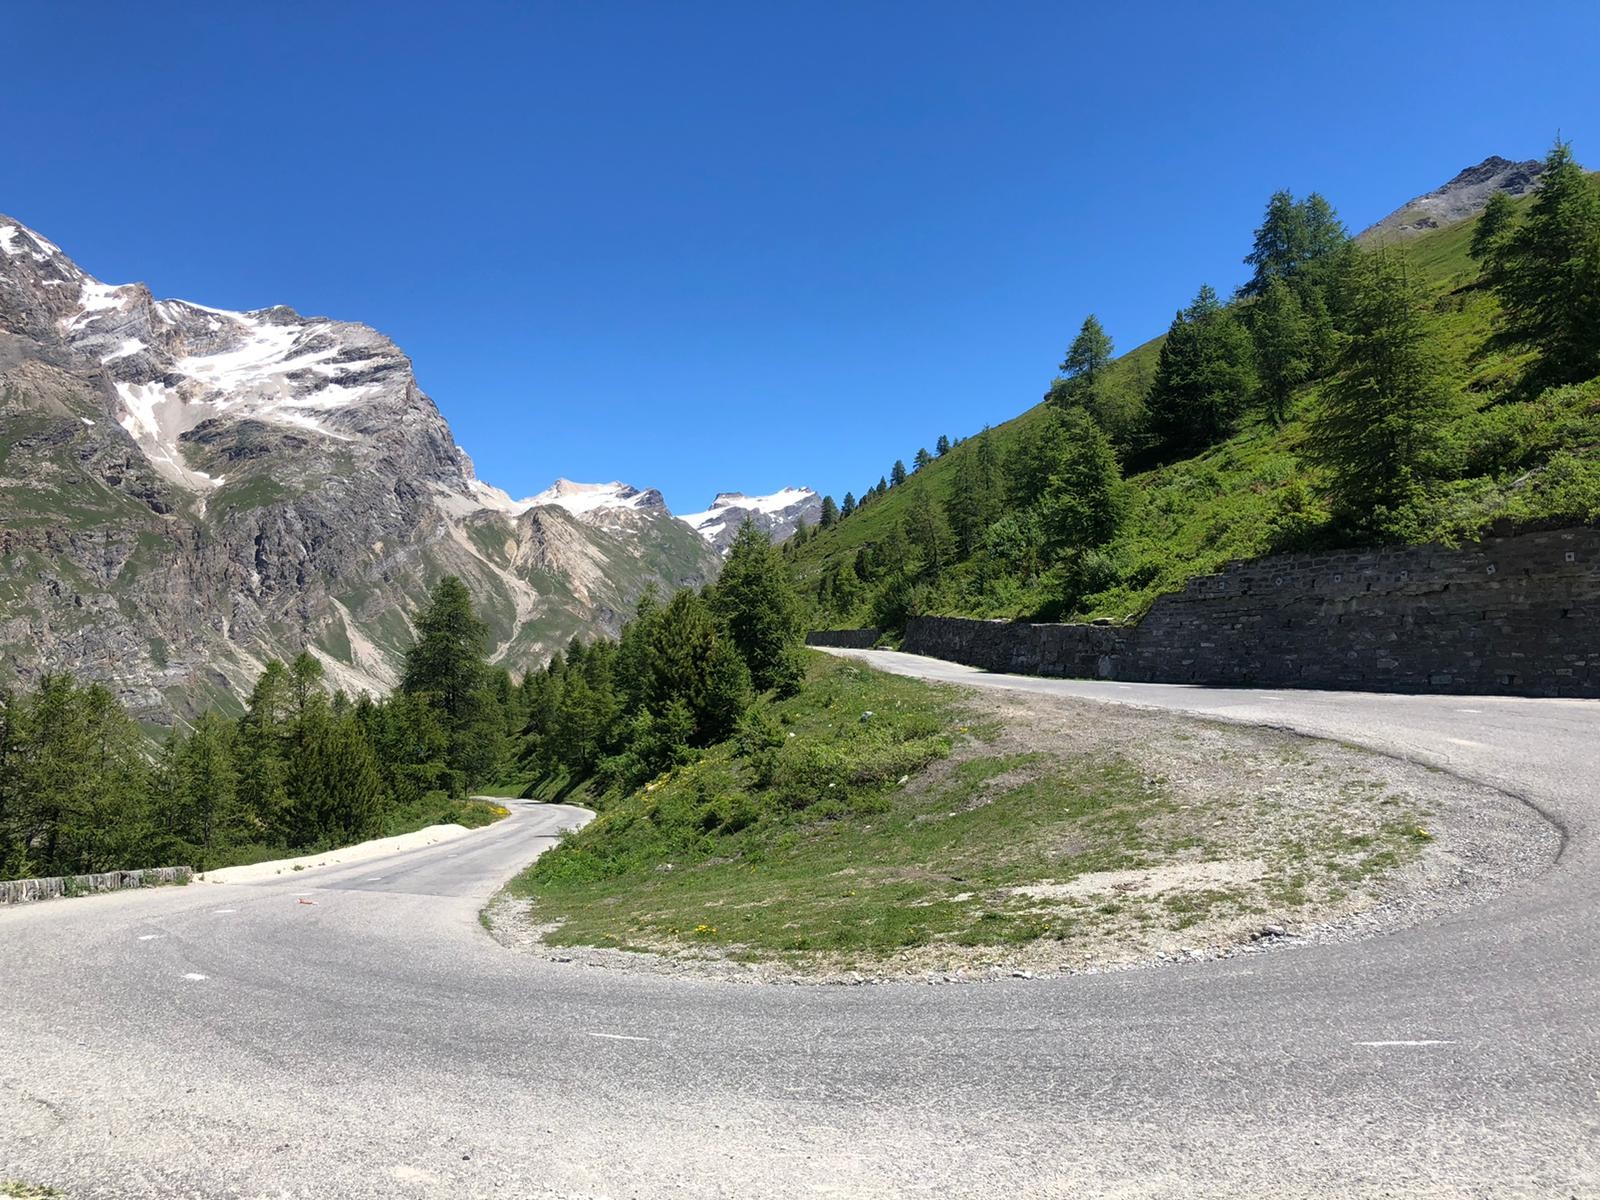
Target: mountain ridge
(189, 491)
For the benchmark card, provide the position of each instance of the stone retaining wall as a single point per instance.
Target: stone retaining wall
(18, 891)
(845, 639)
(1512, 616)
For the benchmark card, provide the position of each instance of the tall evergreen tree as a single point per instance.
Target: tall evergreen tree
(1083, 504)
(756, 602)
(1205, 375)
(926, 529)
(1494, 224)
(849, 505)
(829, 515)
(942, 446)
(1546, 273)
(897, 475)
(1283, 345)
(1383, 417)
(1087, 357)
(979, 492)
(447, 666)
(922, 459)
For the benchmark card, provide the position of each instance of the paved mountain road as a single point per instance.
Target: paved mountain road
(222, 1040)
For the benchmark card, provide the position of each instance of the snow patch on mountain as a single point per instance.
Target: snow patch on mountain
(779, 513)
(581, 498)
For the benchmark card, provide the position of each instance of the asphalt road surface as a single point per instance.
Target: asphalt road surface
(229, 1040)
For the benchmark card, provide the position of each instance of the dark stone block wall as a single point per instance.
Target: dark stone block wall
(1513, 616)
(845, 639)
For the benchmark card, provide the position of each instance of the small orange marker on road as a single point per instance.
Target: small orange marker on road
(303, 900)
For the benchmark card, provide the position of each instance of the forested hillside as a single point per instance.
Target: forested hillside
(1349, 394)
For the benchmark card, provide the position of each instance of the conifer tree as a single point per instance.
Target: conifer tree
(849, 505)
(755, 601)
(447, 666)
(829, 515)
(926, 529)
(1494, 223)
(1083, 505)
(979, 491)
(1283, 346)
(922, 459)
(1088, 356)
(1546, 272)
(1382, 419)
(942, 446)
(897, 474)
(1205, 375)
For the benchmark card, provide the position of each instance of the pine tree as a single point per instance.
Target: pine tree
(849, 505)
(1205, 375)
(756, 602)
(830, 512)
(922, 459)
(1546, 273)
(1293, 240)
(447, 666)
(897, 475)
(1087, 357)
(1494, 224)
(942, 446)
(1083, 504)
(1035, 454)
(883, 484)
(978, 494)
(926, 529)
(1383, 418)
(1283, 346)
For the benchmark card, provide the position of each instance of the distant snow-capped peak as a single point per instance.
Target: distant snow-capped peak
(580, 498)
(779, 514)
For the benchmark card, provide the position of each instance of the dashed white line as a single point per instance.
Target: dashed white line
(1472, 711)
(195, 976)
(150, 937)
(222, 912)
(1463, 742)
(1409, 1042)
(619, 1037)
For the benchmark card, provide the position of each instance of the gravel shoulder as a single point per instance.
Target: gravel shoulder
(1253, 840)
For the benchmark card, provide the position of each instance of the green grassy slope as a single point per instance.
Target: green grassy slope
(1521, 460)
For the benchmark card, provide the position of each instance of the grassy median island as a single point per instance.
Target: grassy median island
(875, 820)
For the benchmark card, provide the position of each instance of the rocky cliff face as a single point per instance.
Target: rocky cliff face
(186, 492)
(1463, 197)
(779, 514)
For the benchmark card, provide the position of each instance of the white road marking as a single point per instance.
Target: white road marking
(619, 1037)
(1463, 742)
(1417, 1042)
(195, 976)
(222, 912)
(1473, 711)
(150, 937)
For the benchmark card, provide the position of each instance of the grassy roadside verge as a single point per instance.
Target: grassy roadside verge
(875, 817)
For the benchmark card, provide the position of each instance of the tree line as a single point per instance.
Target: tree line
(302, 768)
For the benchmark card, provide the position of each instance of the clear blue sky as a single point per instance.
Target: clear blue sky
(736, 246)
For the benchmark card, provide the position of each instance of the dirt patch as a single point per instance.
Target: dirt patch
(1148, 882)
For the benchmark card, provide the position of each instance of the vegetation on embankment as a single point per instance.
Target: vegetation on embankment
(1430, 389)
(872, 817)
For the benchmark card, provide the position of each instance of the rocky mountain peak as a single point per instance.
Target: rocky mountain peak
(1462, 197)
